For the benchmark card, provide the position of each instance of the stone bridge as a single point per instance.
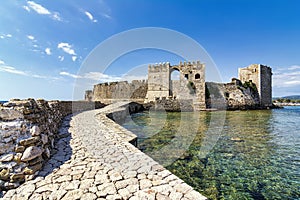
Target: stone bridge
(94, 159)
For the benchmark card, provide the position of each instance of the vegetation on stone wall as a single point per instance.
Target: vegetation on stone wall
(251, 85)
(191, 87)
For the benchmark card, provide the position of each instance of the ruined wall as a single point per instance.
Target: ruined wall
(191, 84)
(28, 129)
(261, 76)
(191, 88)
(108, 92)
(231, 96)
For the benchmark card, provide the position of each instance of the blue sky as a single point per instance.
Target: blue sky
(44, 43)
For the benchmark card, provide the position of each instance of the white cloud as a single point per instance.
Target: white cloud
(288, 78)
(61, 58)
(66, 48)
(41, 10)
(12, 70)
(95, 76)
(30, 37)
(48, 51)
(38, 8)
(106, 16)
(5, 36)
(56, 16)
(2, 62)
(69, 74)
(90, 16)
(26, 8)
(74, 58)
(294, 67)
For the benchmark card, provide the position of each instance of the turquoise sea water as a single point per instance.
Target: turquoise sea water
(226, 155)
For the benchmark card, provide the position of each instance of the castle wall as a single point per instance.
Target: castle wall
(266, 86)
(191, 85)
(261, 76)
(158, 81)
(108, 92)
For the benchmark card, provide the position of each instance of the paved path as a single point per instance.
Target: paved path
(93, 162)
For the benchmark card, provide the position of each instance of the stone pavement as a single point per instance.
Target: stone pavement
(94, 161)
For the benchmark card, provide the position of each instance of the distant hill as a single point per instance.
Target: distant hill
(292, 97)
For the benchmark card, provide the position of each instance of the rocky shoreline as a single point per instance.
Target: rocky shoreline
(287, 104)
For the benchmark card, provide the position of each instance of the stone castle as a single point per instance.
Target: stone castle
(252, 90)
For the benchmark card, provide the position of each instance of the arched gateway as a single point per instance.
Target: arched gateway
(189, 86)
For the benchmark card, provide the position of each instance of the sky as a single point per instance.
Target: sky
(45, 44)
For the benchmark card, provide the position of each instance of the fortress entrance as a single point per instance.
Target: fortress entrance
(174, 82)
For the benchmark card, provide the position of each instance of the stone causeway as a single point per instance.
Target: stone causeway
(94, 160)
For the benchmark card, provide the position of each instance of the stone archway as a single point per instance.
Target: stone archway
(174, 81)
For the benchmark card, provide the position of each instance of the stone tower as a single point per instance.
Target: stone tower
(190, 86)
(261, 75)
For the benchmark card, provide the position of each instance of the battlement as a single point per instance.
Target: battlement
(159, 67)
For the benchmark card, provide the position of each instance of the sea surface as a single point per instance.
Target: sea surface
(226, 154)
(3, 101)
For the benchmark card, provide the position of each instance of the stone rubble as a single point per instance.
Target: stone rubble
(93, 162)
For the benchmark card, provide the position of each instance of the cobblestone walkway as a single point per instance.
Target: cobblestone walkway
(94, 161)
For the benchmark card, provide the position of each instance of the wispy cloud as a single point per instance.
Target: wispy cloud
(41, 10)
(12, 70)
(67, 48)
(90, 16)
(38, 8)
(74, 58)
(48, 51)
(61, 58)
(30, 37)
(3, 36)
(69, 74)
(106, 16)
(289, 77)
(95, 76)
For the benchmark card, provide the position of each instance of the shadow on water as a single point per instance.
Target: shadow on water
(255, 157)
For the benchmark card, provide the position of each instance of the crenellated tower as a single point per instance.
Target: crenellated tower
(190, 86)
(261, 76)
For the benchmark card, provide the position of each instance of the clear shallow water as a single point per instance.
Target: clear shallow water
(227, 155)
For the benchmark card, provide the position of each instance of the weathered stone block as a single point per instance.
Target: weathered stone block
(7, 158)
(17, 177)
(4, 174)
(31, 153)
(19, 149)
(32, 169)
(29, 141)
(35, 131)
(10, 114)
